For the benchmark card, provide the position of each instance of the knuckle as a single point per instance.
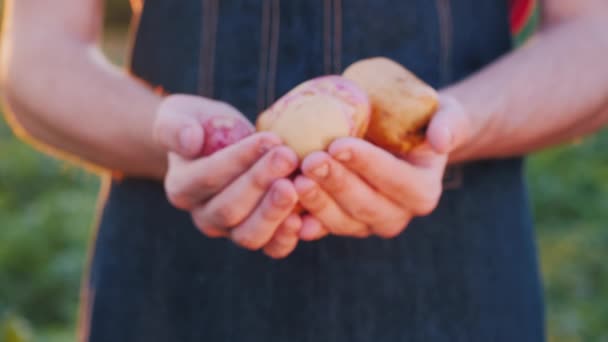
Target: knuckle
(271, 213)
(244, 158)
(272, 252)
(362, 166)
(344, 228)
(361, 231)
(276, 253)
(427, 208)
(392, 227)
(226, 216)
(210, 231)
(314, 202)
(207, 182)
(259, 179)
(337, 182)
(390, 231)
(175, 194)
(428, 201)
(364, 234)
(171, 183)
(365, 213)
(254, 147)
(179, 202)
(284, 240)
(197, 219)
(247, 241)
(385, 234)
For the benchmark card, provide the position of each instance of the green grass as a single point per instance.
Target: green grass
(569, 187)
(46, 211)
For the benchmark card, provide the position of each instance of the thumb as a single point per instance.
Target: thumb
(450, 127)
(178, 129)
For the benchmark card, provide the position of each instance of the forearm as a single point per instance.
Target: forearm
(552, 90)
(70, 98)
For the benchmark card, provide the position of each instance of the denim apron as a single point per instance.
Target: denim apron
(468, 272)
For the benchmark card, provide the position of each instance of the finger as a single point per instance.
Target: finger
(257, 230)
(177, 126)
(320, 205)
(192, 125)
(412, 187)
(285, 239)
(180, 134)
(236, 202)
(425, 157)
(450, 126)
(191, 183)
(209, 230)
(312, 229)
(353, 195)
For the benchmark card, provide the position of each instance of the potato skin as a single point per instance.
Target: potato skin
(222, 131)
(376, 99)
(310, 116)
(401, 104)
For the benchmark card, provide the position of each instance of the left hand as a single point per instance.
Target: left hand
(357, 189)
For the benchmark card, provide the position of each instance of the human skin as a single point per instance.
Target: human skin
(553, 90)
(63, 93)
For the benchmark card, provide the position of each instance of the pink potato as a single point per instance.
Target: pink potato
(310, 116)
(224, 130)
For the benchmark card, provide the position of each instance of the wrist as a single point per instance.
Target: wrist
(467, 125)
(152, 159)
(158, 152)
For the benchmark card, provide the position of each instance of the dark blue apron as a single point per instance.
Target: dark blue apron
(468, 272)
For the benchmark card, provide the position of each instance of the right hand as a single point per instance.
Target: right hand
(241, 191)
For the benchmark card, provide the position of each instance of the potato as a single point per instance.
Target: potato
(310, 116)
(223, 130)
(401, 104)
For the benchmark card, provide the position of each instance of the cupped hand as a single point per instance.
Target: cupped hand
(240, 191)
(357, 189)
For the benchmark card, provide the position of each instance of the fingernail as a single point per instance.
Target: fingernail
(186, 138)
(280, 163)
(279, 200)
(344, 156)
(265, 146)
(321, 171)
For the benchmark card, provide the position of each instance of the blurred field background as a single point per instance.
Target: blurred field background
(47, 212)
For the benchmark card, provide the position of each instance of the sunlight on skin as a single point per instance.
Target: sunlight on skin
(136, 5)
(20, 133)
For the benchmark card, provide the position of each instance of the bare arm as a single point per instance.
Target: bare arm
(552, 90)
(63, 93)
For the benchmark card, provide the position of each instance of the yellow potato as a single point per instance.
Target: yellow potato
(401, 104)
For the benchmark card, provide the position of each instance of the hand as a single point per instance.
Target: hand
(240, 191)
(357, 189)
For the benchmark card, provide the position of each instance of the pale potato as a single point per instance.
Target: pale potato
(313, 114)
